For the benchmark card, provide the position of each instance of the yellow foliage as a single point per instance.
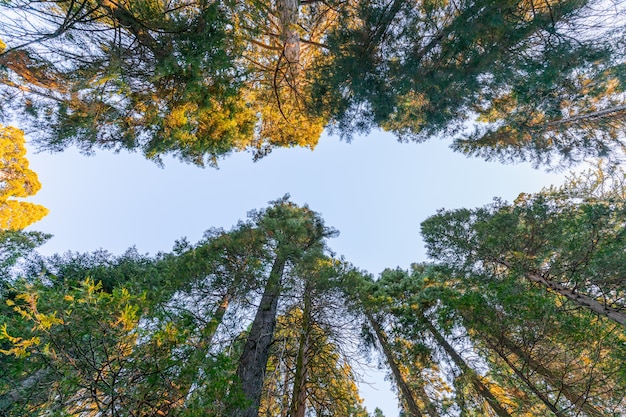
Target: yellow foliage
(20, 346)
(16, 180)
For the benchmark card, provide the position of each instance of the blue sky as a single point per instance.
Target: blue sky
(375, 191)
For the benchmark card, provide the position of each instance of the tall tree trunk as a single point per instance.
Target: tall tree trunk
(577, 298)
(578, 400)
(253, 360)
(397, 375)
(218, 315)
(298, 399)
(546, 401)
(481, 388)
(581, 299)
(431, 410)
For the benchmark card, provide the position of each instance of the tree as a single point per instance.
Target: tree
(411, 351)
(568, 240)
(201, 79)
(151, 335)
(294, 231)
(158, 76)
(260, 320)
(521, 70)
(16, 181)
(194, 79)
(14, 245)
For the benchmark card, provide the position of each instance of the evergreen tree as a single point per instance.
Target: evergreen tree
(569, 240)
(200, 79)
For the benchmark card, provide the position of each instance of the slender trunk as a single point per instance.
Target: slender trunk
(284, 409)
(431, 410)
(397, 375)
(481, 388)
(211, 328)
(599, 114)
(578, 400)
(580, 299)
(253, 360)
(298, 399)
(525, 379)
(127, 20)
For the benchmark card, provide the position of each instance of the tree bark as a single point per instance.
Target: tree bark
(253, 360)
(525, 379)
(582, 300)
(481, 388)
(218, 316)
(298, 399)
(127, 20)
(598, 114)
(397, 375)
(577, 400)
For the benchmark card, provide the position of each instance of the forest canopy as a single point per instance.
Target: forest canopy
(512, 80)
(518, 311)
(514, 315)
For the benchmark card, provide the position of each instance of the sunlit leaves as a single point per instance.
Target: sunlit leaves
(16, 181)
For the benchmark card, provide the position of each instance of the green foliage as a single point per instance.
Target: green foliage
(202, 79)
(572, 236)
(16, 244)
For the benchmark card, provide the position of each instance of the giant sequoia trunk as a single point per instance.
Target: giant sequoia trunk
(253, 360)
(473, 377)
(405, 391)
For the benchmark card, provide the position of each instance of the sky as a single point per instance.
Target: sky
(374, 190)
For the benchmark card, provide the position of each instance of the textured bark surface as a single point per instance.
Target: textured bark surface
(481, 388)
(288, 14)
(581, 299)
(298, 400)
(413, 409)
(546, 401)
(578, 400)
(251, 367)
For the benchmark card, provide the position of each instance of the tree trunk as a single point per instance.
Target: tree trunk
(130, 22)
(612, 112)
(577, 400)
(481, 388)
(580, 299)
(211, 328)
(298, 399)
(397, 375)
(288, 16)
(431, 410)
(253, 360)
(525, 379)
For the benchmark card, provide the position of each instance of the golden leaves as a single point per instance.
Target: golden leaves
(16, 180)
